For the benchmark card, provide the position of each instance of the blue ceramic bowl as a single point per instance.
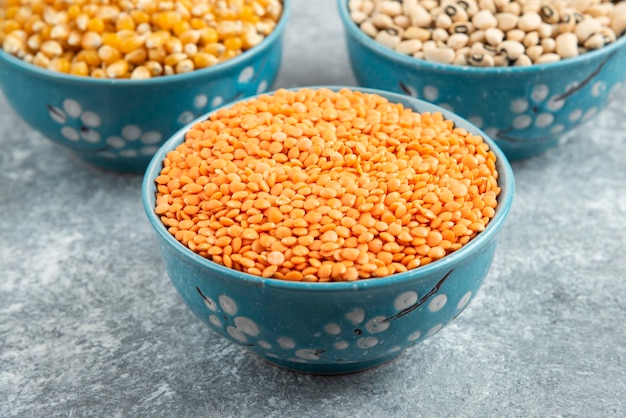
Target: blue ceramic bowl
(119, 124)
(526, 110)
(331, 328)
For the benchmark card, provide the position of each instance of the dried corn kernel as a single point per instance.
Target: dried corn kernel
(316, 185)
(140, 31)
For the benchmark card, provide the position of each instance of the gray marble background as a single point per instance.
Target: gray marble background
(90, 325)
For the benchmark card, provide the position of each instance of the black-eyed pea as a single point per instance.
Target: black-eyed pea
(484, 19)
(494, 36)
(600, 9)
(414, 32)
(531, 39)
(549, 13)
(369, 28)
(548, 45)
(548, 58)
(382, 21)
(534, 52)
(417, 14)
(605, 21)
(595, 41)
(442, 55)
(462, 27)
(480, 60)
(515, 35)
(419, 55)
(358, 16)
(477, 36)
(486, 5)
(545, 30)
(457, 41)
(443, 21)
(456, 12)
(440, 35)
(402, 21)
(568, 22)
(429, 4)
(506, 21)
(500, 3)
(587, 28)
(388, 37)
(470, 6)
(618, 23)
(523, 61)
(529, 21)
(500, 60)
(512, 49)
(531, 7)
(608, 34)
(513, 8)
(390, 8)
(409, 47)
(460, 58)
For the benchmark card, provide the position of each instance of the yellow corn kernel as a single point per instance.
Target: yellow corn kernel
(124, 22)
(247, 14)
(157, 54)
(228, 28)
(51, 48)
(41, 60)
(111, 39)
(60, 32)
(117, 70)
(185, 66)
(181, 27)
(108, 12)
(60, 65)
(157, 39)
(28, 24)
(137, 57)
(79, 68)
(197, 23)
(208, 36)
(216, 49)
(189, 37)
(12, 44)
(9, 26)
(108, 54)
(140, 73)
(130, 44)
(91, 40)
(95, 25)
(74, 38)
(98, 73)
(140, 16)
(155, 68)
(90, 57)
(165, 20)
(228, 54)
(233, 43)
(173, 45)
(173, 59)
(190, 49)
(11, 11)
(44, 31)
(73, 11)
(204, 59)
(33, 42)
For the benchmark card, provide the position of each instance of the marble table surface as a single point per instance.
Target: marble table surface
(91, 326)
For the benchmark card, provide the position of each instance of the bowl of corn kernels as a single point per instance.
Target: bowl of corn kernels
(525, 71)
(112, 80)
(327, 230)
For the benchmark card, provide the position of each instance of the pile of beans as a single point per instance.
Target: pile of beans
(136, 39)
(317, 185)
(487, 33)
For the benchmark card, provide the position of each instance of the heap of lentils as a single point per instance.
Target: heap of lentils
(136, 39)
(317, 185)
(487, 33)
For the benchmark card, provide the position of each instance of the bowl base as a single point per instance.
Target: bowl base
(325, 369)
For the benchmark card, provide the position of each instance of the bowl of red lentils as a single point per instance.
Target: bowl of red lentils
(328, 230)
(113, 80)
(525, 71)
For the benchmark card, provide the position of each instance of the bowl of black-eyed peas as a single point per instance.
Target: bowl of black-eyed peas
(526, 72)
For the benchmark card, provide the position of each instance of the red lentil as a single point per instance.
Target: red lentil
(385, 193)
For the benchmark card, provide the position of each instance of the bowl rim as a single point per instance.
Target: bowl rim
(505, 200)
(357, 34)
(161, 80)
